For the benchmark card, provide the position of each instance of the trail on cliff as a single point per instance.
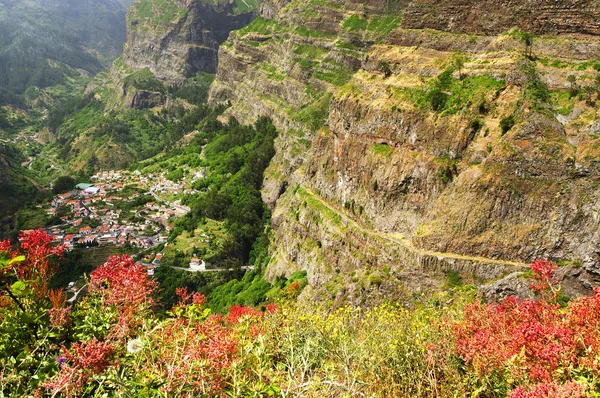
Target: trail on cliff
(400, 239)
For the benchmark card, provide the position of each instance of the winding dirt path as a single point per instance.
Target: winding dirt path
(401, 240)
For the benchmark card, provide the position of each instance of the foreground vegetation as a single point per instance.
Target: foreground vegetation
(113, 342)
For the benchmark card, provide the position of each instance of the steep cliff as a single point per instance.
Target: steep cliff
(168, 43)
(177, 38)
(494, 17)
(422, 137)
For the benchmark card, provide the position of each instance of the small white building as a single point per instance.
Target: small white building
(197, 264)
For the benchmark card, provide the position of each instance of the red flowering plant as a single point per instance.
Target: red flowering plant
(28, 269)
(78, 366)
(194, 353)
(535, 348)
(117, 309)
(27, 323)
(120, 298)
(190, 305)
(545, 283)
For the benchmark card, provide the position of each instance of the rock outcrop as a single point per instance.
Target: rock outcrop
(494, 17)
(177, 38)
(376, 187)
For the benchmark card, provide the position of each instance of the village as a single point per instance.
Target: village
(120, 208)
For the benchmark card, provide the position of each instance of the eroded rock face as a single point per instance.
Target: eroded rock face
(179, 39)
(146, 99)
(386, 194)
(494, 17)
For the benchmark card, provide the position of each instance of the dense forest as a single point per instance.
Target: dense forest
(234, 159)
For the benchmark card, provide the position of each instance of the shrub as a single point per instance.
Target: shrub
(507, 123)
(535, 346)
(384, 68)
(437, 99)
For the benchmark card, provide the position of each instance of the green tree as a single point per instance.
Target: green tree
(384, 67)
(527, 39)
(589, 92)
(458, 62)
(4, 123)
(507, 123)
(63, 184)
(597, 85)
(573, 90)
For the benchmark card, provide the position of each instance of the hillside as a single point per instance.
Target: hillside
(42, 42)
(18, 189)
(130, 112)
(413, 145)
(342, 198)
(435, 123)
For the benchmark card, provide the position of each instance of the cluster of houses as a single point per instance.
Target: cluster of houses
(91, 218)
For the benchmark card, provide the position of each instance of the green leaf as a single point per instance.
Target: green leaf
(18, 287)
(27, 319)
(17, 259)
(6, 262)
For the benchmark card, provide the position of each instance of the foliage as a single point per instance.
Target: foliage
(449, 95)
(507, 123)
(381, 25)
(112, 344)
(236, 157)
(532, 345)
(384, 67)
(195, 89)
(144, 79)
(315, 114)
(63, 184)
(535, 91)
(67, 107)
(383, 149)
(28, 309)
(18, 191)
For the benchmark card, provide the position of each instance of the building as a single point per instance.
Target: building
(85, 230)
(90, 191)
(83, 186)
(197, 264)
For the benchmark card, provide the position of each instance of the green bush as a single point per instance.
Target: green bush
(507, 123)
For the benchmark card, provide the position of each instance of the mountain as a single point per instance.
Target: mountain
(171, 46)
(43, 42)
(169, 59)
(422, 138)
(186, 34)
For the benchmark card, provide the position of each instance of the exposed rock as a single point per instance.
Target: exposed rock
(494, 17)
(146, 99)
(367, 181)
(513, 285)
(181, 38)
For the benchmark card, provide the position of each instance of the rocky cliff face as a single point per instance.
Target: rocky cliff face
(178, 38)
(168, 42)
(389, 172)
(494, 17)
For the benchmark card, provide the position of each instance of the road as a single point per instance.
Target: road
(403, 241)
(183, 209)
(73, 299)
(248, 268)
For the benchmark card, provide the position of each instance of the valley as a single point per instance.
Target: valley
(307, 198)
